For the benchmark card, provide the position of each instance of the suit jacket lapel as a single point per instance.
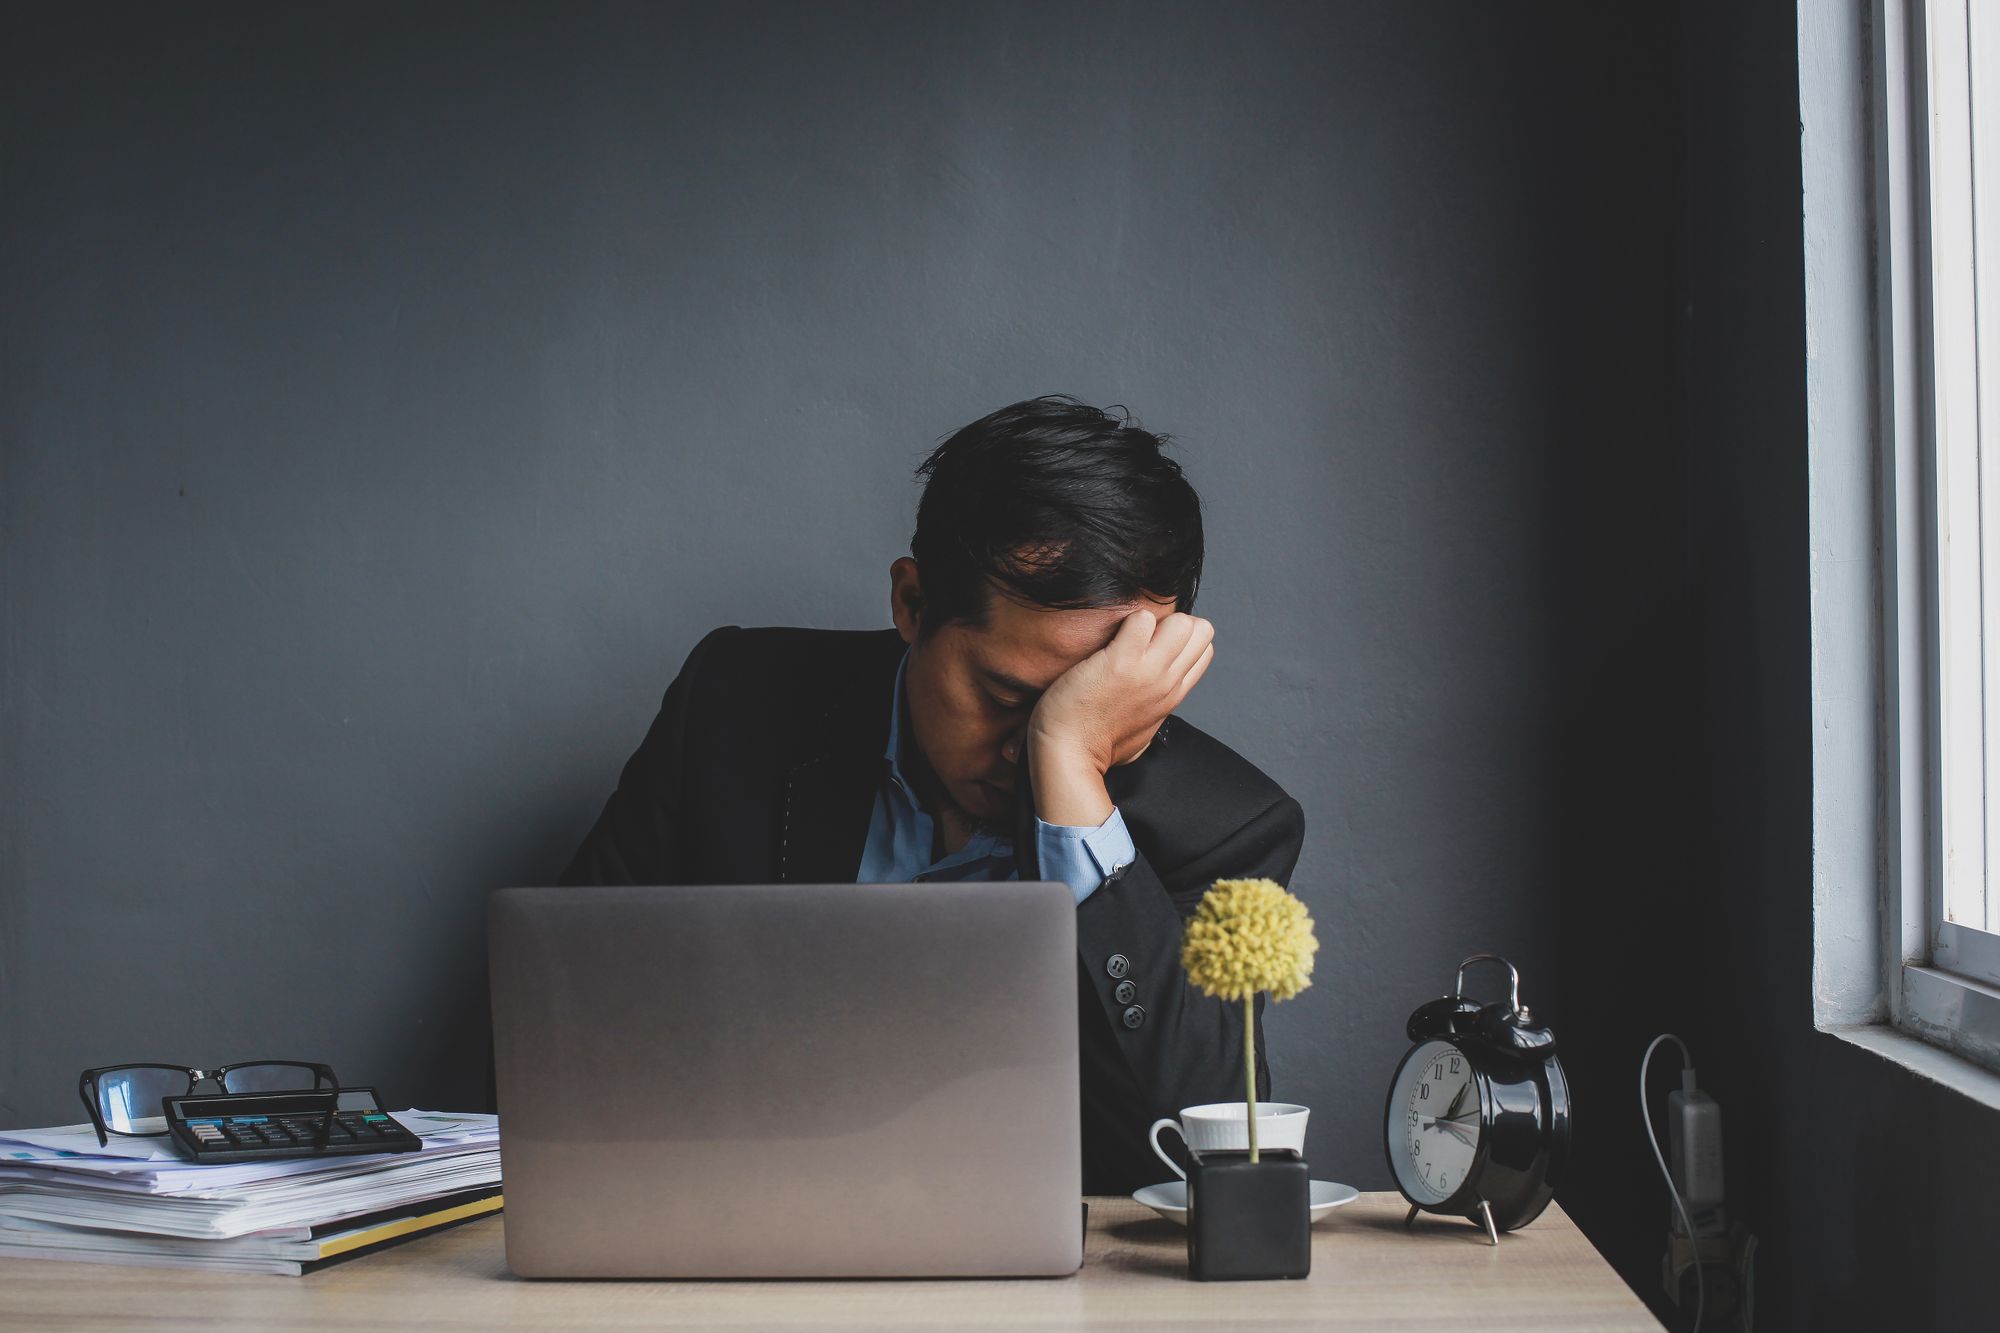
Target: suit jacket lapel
(832, 780)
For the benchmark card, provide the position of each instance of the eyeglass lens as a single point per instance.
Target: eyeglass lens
(126, 1096)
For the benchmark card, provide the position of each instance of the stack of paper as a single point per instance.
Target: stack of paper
(138, 1202)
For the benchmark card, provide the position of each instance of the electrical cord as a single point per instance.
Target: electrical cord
(1646, 1114)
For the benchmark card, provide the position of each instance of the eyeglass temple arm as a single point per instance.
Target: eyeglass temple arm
(85, 1090)
(326, 1119)
(325, 1072)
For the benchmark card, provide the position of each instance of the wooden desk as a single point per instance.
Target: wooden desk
(1368, 1272)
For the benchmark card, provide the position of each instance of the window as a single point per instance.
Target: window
(1964, 43)
(1941, 261)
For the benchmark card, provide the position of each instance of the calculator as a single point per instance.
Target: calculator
(259, 1126)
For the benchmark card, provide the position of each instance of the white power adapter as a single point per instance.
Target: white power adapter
(1694, 1143)
(1701, 1241)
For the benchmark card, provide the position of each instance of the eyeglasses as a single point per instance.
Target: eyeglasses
(118, 1096)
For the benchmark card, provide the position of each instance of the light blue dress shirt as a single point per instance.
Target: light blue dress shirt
(900, 834)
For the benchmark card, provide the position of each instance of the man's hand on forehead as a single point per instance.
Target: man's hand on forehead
(1105, 710)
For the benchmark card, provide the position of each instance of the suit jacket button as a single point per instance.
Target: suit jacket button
(1134, 1016)
(1117, 965)
(1126, 993)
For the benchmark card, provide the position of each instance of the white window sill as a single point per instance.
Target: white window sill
(1926, 1061)
(1952, 1011)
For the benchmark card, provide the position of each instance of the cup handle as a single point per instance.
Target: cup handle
(1153, 1137)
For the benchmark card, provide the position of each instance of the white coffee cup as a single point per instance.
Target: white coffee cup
(1222, 1127)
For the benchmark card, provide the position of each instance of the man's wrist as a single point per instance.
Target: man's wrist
(1069, 788)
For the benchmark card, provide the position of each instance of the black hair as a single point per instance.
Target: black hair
(1056, 504)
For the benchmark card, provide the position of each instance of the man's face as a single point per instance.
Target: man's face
(972, 690)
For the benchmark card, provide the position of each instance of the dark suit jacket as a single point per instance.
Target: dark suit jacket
(763, 766)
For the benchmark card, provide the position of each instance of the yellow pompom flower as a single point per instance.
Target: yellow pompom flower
(1249, 935)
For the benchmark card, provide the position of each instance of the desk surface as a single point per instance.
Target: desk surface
(1368, 1272)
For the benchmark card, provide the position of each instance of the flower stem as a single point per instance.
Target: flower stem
(1250, 1067)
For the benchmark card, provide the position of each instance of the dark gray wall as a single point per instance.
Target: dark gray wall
(1687, 899)
(393, 395)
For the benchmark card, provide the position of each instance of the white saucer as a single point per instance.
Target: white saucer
(1169, 1200)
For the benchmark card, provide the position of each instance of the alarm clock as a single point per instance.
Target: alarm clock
(1477, 1124)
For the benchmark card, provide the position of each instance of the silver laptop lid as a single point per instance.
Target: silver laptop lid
(788, 1080)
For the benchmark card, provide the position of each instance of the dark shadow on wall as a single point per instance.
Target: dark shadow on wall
(1914, 1165)
(1626, 807)
(1689, 763)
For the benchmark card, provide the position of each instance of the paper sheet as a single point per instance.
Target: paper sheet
(61, 1175)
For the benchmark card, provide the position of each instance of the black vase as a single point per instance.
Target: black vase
(1248, 1219)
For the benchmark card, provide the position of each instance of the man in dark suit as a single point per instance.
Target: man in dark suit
(1015, 724)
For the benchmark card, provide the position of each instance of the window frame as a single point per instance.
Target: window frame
(1942, 979)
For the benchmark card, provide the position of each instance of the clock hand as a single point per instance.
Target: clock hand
(1456, 1130)
(1452, 1110)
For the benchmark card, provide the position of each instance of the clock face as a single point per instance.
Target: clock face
(1434, 1122)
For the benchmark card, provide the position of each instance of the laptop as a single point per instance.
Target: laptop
(791, 1080)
